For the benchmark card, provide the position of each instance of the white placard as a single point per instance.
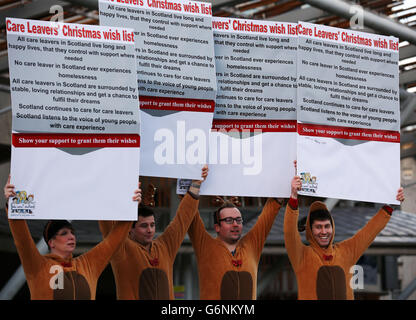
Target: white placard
(348, 114)
(253, 141)
(176, 81)
(76, 123)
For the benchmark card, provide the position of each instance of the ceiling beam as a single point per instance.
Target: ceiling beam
(408, 137)
(408, 107)
(410, 152)
(304, 13)
(90, 4)
(373, 20)
(407, 77)
(407, 52)
(31, 10)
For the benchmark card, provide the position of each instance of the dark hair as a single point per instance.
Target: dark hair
(301, 224)
(52, 228)
(320, 215)
(144, 212)
(226, 204)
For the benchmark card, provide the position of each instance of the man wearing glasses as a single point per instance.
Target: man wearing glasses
(227, 264)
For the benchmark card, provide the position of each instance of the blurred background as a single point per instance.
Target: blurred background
(389, 264)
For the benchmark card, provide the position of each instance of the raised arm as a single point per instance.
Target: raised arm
(357, 244)
(198, 234)
(258, 233)
(106, 226)
(175, 232)
(293, 242)
(31, 259)
(99, 256)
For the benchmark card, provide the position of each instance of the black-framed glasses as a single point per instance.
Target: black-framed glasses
(230, 220)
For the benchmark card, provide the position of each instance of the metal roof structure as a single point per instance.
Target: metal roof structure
(389, 17)
(398, 237)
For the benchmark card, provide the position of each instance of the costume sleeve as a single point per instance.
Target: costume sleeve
(99, 256)
(357, 244)
(258, 233)
(175, 232)
(32, 261)
(293, 242)
(105, 227)
(198, 234)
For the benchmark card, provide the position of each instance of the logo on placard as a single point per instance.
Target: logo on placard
(23, 204)
(309, 183)
(183, 186)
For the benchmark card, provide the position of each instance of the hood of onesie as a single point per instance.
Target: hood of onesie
(315, 206)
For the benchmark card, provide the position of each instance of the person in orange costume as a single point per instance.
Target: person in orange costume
(322, 268)
(143, 266)
(227, 264)
(59, 276)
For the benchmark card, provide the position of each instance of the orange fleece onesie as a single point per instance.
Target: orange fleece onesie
(144, 275)
(222, 275)
(80, 273)
(324, 274)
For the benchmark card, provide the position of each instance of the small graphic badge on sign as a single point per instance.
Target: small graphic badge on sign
(309, 183)
(22, 205)
(183, 185)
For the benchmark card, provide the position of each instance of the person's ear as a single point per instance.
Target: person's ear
(131, 233)
(50, 243)
(217, 227)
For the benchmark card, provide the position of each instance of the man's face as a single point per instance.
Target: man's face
(229, 233)
(144, 230)
(322, 232)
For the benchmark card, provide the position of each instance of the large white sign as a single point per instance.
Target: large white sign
(348, 114)
(253, 139)
(176, 81)
(76, 123)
